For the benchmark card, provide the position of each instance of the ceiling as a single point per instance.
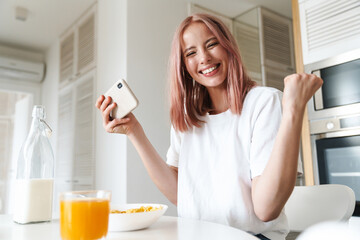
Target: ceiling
(47, 19)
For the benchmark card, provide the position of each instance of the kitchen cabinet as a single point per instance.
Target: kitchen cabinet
(75, 165)
(75, 160)
(328, 28)
(78, 48)
(266, 46)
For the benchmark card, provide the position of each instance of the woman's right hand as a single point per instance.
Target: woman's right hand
(124, 125)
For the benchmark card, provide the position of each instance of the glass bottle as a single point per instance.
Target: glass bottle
(35, 173)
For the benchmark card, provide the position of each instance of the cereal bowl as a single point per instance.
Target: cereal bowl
(134, 220)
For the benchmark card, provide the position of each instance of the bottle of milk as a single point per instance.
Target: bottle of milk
(35, 173)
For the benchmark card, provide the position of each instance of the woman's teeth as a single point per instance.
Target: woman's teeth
(209, 70)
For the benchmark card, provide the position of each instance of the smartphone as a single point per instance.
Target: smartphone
(124, 98)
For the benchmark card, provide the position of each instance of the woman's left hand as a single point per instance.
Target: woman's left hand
(298, 90)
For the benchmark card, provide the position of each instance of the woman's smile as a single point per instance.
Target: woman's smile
(210, 71)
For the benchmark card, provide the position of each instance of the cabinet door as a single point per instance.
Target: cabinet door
(65, 142)
(75, 154)
(275, 77)
(67, 68)
(86, 45)
(247, 38)
(78, 48)
(84, 154)
(328, 28)
(278, 46)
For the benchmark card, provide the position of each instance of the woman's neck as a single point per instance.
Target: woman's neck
(219, 100)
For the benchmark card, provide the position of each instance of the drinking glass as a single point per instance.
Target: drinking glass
(84, 214)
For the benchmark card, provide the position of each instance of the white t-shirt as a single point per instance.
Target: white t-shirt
(217, 161)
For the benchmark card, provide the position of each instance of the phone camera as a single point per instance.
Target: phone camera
(119, 85)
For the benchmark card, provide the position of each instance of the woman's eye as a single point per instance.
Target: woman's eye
(212, 44)
(189, 54)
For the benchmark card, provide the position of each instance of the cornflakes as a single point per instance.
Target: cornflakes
(136, 210)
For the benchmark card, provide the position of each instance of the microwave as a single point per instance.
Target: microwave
(340, 92)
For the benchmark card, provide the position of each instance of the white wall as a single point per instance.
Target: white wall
(151, 25)
(49, 99)
(49, 91)
(111, 65)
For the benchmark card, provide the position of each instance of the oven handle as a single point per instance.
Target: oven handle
(343, 133)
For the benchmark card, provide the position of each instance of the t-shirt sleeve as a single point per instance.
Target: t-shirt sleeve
(266, 123)
(172, 156)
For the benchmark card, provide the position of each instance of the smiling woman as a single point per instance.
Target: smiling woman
(221, 134)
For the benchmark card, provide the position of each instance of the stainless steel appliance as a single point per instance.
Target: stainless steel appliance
(340, 93)
(334, 115)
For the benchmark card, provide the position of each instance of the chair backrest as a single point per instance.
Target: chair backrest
(309, 205)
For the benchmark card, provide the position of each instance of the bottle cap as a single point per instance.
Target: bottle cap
(39, 112)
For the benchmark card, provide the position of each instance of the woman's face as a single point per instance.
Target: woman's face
(205, 59)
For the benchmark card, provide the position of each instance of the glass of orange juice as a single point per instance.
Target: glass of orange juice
(84, 214)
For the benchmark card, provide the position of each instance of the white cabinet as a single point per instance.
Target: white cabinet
(193, 8)
(75, 166)
(266, 46)
(75, 160)
(328, 28)
(78, 48)
(248, 40)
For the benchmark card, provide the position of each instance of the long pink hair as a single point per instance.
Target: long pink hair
(188, 99)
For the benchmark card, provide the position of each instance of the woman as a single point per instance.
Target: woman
(234, 147)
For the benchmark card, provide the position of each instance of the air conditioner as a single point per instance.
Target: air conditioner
(11, 68)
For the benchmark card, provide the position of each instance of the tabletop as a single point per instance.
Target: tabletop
(164, 229)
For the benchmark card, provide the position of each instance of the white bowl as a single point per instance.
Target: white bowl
(134, 221)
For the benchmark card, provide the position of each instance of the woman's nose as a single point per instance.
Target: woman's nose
(205, 57)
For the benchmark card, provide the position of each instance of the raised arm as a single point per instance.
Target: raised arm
(273, 187)
(164, 176)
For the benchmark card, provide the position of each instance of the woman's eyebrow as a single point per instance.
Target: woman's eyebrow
(188, 49)
(210, 39)
(206, 42)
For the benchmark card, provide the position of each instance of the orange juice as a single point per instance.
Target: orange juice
(84, 219)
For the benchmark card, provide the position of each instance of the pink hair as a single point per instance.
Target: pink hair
(188, 99)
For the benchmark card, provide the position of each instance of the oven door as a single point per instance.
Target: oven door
(338, 162)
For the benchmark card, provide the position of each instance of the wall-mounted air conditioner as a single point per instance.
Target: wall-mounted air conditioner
(11, 68)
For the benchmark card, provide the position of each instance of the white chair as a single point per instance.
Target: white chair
(309, 205)
(330, 231)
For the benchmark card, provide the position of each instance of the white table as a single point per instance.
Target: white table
(166, 228)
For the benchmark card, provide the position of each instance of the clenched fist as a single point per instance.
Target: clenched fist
(298, 90)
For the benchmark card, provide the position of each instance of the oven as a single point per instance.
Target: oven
(334, 119)
(337, 156)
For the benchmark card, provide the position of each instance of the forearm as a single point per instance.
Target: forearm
(164, 177)
(271, 190)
